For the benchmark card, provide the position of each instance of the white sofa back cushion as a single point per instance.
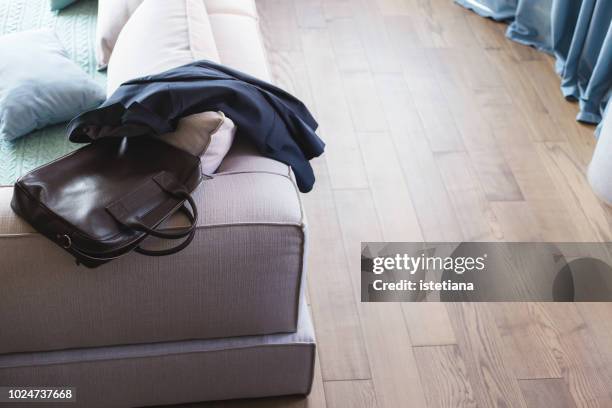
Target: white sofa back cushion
(228, 18)
(161, 35)
(112, 16)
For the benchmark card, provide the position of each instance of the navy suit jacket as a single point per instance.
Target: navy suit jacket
(276, 122)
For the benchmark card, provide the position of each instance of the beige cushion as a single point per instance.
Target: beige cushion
(112, 16)
(161, 35)
(207, 134)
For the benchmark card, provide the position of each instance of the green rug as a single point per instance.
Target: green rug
(76, 27)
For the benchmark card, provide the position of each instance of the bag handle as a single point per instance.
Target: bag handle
(138, 225)
(144, 251)
(120, 210)
(182, 245)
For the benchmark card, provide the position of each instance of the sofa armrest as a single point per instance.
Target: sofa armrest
(241, 275)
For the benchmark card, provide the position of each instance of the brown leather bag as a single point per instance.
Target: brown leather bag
(99, 202)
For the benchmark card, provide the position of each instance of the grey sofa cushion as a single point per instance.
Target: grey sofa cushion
(169, 373)
(240, 276)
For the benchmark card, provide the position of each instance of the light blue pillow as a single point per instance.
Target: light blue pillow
(60, 4)
(39, 84)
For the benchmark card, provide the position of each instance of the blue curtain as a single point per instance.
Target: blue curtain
(577, 32)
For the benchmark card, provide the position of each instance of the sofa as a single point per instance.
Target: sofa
(226, 318)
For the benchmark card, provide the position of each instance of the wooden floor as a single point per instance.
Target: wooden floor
(438, 128)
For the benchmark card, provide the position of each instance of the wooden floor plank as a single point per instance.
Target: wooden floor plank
(279, 24)
(554, 219)
(316, 398)
(517, 221)
(336, 9)
(563, 113)
(341, 348)
(582, 365)
(598, 317)
(435, 211)
(479, 74)
(495, 176)
(393, 7)
(550, 392)
(310, 13)
(406, 36)
(350, 394)
(475, 121)
(342, 153)
(525, 341)
(348, 50)
(288, 69)
(428, 324)
(481, 346)
(384, 329)
(396, 214)
(589, 216)
(477, 220)
(436, 216)
(444, 377)
(448, 25)
(456, 86)
(433, 109)
(374, 38)
(365, 107)
(533, 112)
(489, 33)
